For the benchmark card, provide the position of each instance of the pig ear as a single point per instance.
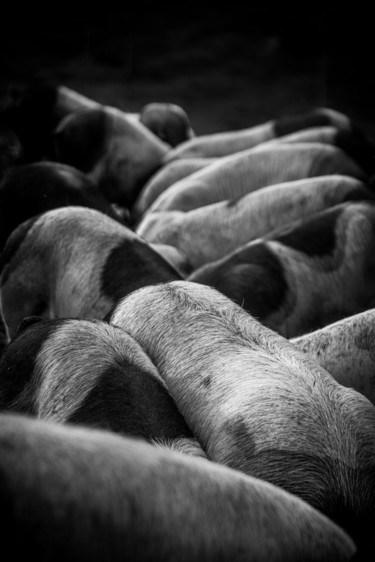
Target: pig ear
(27, 322)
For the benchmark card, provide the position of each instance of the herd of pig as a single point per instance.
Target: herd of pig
(187, 356)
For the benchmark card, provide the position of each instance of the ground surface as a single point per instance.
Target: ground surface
(227, 68)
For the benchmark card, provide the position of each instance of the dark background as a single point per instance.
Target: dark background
(229, 67)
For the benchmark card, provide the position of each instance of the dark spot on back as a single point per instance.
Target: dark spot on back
(134, 264)
(130, 401)
(261, 274)
(313, 235)
(80, 140)
(252, 276)
(236, 428)
(206, 381)
(291, 123)
(32, 189)
(18, 361)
